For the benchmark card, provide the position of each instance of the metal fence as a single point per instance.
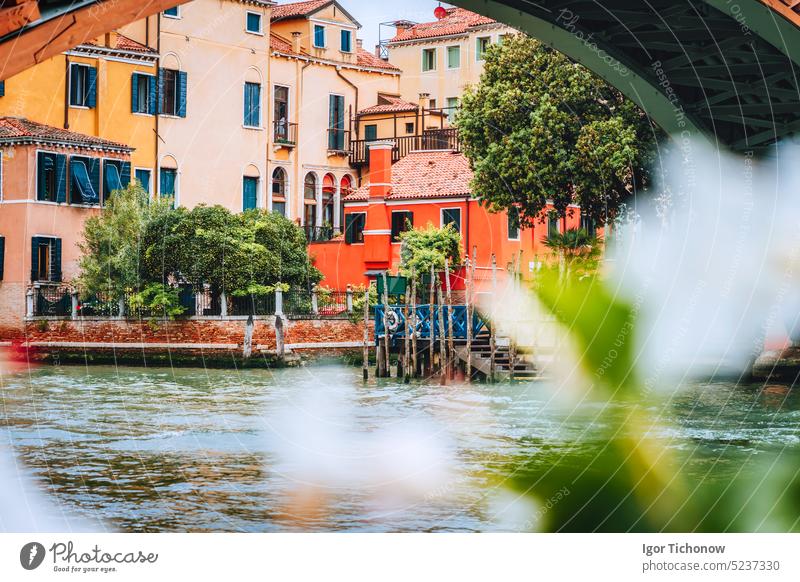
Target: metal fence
(52, 301)
(252, 305)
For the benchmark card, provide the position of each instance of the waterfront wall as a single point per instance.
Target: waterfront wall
(314, 336)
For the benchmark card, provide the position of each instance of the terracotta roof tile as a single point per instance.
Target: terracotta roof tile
(14, 129)
(426, 174)
(297, 9)
(457, 21)
(367, 59)
(393, 105)
(123, 43)
(280, 44)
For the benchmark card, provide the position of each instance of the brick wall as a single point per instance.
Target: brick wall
(12, 308)
(193, 333)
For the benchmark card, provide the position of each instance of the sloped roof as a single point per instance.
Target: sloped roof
(305, 9)
(426, 174)
(123, 43)
(21, 130)
(457, 21)
(367, 59)
(391, 105)
(280, 44)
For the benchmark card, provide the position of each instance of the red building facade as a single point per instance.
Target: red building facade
(424, 187)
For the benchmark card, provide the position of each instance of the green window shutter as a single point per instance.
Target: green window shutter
(2, 255)
(55, 260)
(125, 174)
(161, 91)
(61, 178)
(370, 132)
(348, 228)
(135, 93)
(94, 176)
(41, 164)
(34, 258)
(250, 193)
(91, 88)
(2, 88)
(182, 83)
(152, 87)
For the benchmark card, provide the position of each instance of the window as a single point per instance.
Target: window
(371, 132)
(410, 128)
(143, 177)
(143, 94)
(279, 191)
(452, 216)
(453, 57)
(172, 85)
(432, 104)
(281, 113)
(452, 105)
(116, 176)
(51, 177)
(481, 46)
(347, 41)
(552, 225)
(45, 259)
(2, 88)
(168, 179)
(513, 223)
(253, 23)
(252, 105)
(310, 200)
(354, 227)
(172, 12)
(336, 132)
(402, 220)
(588, 224)
(82, 85)
(2, 255)
(428, 60)
(319, 36)
(84, 181)
(249, 193)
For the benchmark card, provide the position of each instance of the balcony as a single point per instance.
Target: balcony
(431, 139)
(338, 142)
(319, 233)
(284, 134)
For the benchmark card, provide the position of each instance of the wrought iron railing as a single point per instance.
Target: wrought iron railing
(284, 133)
(319, 233)
(338, 141)
(421, 323)
(431, 139)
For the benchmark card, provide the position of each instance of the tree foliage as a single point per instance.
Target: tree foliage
(422, 248)
(113, 240)
(540, 127)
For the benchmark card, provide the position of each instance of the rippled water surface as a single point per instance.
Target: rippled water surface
(315, 449)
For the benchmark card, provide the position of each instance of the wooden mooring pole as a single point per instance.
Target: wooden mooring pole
(406, 338)
(386, 351)
(365, 365)
(450, 346)
(415, 367)
(492, 328)
(442, 344)
(432, 322)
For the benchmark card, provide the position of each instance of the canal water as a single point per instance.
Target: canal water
(315, 449)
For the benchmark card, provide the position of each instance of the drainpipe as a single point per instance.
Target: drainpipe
(298, 184)
(156, 177)
(346, 80)
(66, 93)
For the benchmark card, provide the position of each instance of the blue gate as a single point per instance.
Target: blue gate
(420, 321)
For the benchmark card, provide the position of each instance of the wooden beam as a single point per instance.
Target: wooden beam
(15, 17)
(45, 38)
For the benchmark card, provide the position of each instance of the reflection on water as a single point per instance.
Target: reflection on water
(211, 450)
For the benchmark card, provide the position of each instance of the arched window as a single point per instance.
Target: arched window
(279, 191)
(346, 188)
(310, 200)
(328, 194)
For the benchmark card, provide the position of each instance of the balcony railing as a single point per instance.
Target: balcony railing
(285, 133)
(319, 233)
(338, 141)
(431, 139)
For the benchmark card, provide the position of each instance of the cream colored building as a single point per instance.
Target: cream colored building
(443, 57)
(320, 78)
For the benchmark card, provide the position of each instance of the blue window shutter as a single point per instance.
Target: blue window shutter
(34, 258)
(125, 174)
(94, 178)
(250, 191)
(61, 178)
(332, 121)
(41, 161)
(55, 260)
(152, 82)
(91, 88)
(135, 93)
(182, 80)
(2, 255)
(160, 91)
(2, 88)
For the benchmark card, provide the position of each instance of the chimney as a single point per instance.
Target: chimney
(296, 41)
(378, 228)
(359, 43)
(424, 100)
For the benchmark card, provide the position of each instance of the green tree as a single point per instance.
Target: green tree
(540, 127)
(112, 243)
(287, 260)
(422, 248)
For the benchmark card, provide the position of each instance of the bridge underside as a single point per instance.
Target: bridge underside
(725, 69)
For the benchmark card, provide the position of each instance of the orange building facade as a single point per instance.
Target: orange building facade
(425, 187)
